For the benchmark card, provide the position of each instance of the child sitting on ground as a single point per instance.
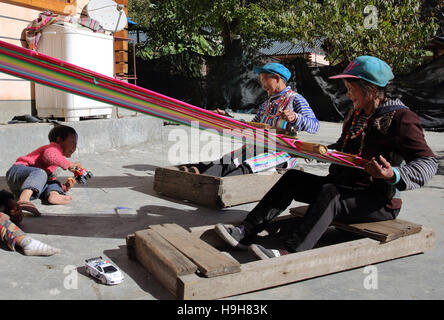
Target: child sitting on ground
(32, 176)
(12, 235)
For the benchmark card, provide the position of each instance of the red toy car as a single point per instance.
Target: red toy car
(81, 175)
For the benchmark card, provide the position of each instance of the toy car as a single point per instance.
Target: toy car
(82, 175)
(103, 270)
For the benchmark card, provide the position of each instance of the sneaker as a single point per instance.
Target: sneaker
(194, 169)
(262, 253)
(232, 235)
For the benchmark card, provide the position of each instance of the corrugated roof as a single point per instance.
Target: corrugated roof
(277, 48)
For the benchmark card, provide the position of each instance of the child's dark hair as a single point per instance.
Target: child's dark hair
(61, 131)
(4, 197)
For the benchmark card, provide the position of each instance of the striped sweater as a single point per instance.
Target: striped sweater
(306, 119)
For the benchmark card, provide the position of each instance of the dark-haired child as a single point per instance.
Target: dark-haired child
(32, 175)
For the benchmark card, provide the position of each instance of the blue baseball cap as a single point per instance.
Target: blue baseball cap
(275, 68)
(368, 68)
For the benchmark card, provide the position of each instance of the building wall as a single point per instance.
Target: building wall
(318, 60)
(17, 95)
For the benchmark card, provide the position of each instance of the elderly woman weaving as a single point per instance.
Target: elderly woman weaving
(285, 110)
(379, 129)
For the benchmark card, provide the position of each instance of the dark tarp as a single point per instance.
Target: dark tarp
(422, 91)
(231, 83)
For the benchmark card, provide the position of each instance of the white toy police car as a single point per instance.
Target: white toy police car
(103, 270)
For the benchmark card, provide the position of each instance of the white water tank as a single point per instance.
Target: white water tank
(82, 47)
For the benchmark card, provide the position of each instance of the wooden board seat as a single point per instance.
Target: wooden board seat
(213, 192)
(191, 268)
(383, 231)
(209, 261)
(168, 251)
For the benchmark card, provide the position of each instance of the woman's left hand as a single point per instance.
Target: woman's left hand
(380, 170)
(220, 111)
(289, 115)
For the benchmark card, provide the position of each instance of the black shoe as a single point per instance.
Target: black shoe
(263, 253)
(232, 235)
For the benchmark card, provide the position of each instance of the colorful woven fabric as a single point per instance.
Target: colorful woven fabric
(37, 67)
(266, 161)
(271, 116)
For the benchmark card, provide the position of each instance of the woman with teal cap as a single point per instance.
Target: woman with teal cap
(377, 128)
(285, 110)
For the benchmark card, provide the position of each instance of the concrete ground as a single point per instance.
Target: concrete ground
(123, 164)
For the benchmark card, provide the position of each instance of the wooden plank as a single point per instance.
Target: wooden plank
(214, 192)
(207, 234)
(384, 231)
(122, 33)
(201, 189)
(121, 67)
(124, 2)
(161, 259)
(65, 7)
(120, 45)
(304, 265)
(246, 188)
(131, 246)
(121, 56)
(211, 262)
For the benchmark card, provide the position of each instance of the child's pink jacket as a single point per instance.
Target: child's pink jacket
(47, 157)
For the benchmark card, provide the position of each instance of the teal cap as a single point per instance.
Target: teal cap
(368, 68)
(275, 68)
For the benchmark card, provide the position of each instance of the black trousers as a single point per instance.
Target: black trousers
(327, 199)
(224, 170)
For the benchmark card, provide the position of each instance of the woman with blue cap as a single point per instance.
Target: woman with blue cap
(285, 110)
(377, 128)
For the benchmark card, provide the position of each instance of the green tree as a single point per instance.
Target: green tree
(205, 27)
(394, 30)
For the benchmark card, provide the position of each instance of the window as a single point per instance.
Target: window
(57, 6)
(109, 269)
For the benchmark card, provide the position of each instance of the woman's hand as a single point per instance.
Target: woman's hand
(74, 165)
(289, 115)
(380, 170)
(220, 111)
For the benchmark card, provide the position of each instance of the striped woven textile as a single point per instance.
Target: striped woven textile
(267, 160)
(43, 69)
